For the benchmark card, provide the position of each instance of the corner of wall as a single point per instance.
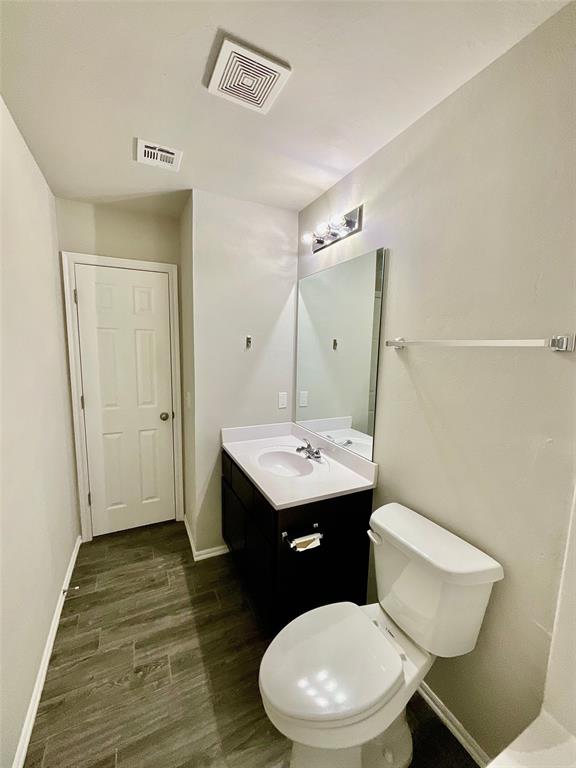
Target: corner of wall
(187, 358)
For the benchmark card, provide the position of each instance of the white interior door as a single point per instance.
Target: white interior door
(124, 331)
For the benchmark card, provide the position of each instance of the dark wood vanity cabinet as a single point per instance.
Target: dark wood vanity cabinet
(283, 582)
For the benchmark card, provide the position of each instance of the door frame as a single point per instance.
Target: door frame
(69, 261)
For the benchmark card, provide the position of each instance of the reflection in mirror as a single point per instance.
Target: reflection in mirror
(339, 313)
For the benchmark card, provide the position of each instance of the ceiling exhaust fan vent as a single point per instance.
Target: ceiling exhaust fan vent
(149, 153)
(247, 78)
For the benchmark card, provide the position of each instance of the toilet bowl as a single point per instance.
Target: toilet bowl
(337, 679)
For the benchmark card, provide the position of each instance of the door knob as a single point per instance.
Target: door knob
(164, 416)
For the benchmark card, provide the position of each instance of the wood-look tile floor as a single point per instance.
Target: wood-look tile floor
(155, 665)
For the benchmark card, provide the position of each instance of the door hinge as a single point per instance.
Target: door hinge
(75, 296)
(89, 499)
(82, 402)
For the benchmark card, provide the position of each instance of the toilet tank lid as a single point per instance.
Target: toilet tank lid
(455, 559)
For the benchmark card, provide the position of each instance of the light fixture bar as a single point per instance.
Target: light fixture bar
(336, 230)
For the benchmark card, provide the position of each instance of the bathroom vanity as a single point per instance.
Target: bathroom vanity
(296, 527)
(295, 521)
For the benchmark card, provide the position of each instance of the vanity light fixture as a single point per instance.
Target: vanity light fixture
(329, 232)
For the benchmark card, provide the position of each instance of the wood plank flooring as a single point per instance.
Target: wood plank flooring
(155, 665)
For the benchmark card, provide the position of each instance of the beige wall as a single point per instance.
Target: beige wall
(560, 693)
(476, 202)
(244, 284)
(39, 518)
(107, 229)
(187, 356)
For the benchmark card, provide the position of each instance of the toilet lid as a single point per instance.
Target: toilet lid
(330, 664)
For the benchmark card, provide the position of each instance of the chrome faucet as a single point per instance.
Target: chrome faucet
(309, 452)
(343, 444)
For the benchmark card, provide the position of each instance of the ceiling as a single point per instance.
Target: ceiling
(82, 79)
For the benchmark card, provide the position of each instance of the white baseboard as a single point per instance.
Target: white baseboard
(454, 726)
(203, 554)
(28, 724)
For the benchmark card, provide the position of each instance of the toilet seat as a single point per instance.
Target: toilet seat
(330, 665)
(323, 628)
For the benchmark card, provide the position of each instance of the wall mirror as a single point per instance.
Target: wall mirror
(339, 312)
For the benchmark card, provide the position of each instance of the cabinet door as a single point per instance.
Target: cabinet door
(336, 570)
(347, 550)
(304, 577)
(233, 521)
(259, 565)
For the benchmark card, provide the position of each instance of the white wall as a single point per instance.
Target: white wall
(39, 507)
(336, 303)
(245, 262)
(476, 201)
(107, 229)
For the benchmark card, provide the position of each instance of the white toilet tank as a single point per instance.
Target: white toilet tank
(433, 584)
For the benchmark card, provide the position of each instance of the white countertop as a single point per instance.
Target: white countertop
(339, 472)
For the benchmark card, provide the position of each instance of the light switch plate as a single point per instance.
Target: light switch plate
(282, 399)
(303, 398)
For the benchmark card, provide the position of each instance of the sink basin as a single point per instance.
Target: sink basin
(285, 464)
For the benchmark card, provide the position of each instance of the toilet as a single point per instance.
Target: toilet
(337, 679)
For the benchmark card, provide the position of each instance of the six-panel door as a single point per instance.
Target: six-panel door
(124, 329)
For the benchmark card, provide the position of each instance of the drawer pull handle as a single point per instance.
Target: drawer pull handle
(304, 543)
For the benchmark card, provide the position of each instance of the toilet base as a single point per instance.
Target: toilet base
(391, 749)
